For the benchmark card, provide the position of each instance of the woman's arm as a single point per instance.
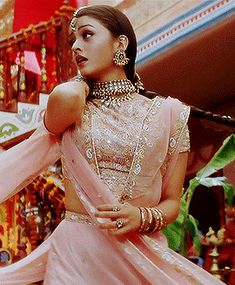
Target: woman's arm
(65, 106)
(170, 201)
(169, 205)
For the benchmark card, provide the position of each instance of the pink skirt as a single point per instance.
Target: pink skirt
(79, 253)
(77, 257)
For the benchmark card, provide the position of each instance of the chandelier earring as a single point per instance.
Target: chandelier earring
(120, 58)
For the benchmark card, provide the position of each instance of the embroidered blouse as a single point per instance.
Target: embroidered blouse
(118, 142)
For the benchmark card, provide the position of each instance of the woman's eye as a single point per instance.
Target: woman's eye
(87, 35)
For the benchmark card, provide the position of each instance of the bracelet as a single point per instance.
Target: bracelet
(143, 216)
(161, 219)
(152, 220)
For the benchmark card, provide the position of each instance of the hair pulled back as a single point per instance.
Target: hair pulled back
(118, 24)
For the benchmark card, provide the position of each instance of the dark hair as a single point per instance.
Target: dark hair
(118, 24)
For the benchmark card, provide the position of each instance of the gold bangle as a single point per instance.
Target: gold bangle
(150, 220)
(160, 219)
(157, 220)
(143, 219)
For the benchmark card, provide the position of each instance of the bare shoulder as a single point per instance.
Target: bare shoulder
(65, 106)
(66, 89)
(67, 86)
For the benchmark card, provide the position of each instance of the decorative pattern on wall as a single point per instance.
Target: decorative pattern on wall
(28, 118)
(193, 21)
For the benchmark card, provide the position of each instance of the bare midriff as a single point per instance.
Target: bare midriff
(72, 202)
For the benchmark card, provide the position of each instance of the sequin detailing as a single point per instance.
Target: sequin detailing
(179, 137)
(78, 218)
(141, 145)
(174, 262)
(119, 143)
(109, 141)
(179, 129)
(185, 142)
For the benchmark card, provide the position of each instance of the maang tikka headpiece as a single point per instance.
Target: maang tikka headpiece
(74, 20)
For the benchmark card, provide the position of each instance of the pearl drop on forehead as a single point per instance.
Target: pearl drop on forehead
(73, 23)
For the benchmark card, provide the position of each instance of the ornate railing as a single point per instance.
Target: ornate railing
(34, 59)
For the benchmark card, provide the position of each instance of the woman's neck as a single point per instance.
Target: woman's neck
(116, 75)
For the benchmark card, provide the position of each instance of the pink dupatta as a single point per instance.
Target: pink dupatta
(42, 149)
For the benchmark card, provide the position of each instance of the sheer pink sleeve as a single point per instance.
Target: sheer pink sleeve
(22, 163)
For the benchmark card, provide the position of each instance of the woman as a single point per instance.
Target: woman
(124, 159)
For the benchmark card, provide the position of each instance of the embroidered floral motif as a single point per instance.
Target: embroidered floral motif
(109, 142)
(117, 142)
(179, 138)
(179, 128)
(136, 166)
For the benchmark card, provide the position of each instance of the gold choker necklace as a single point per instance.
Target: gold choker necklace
(113, 93)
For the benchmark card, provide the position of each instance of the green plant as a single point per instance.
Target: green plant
(185, 224)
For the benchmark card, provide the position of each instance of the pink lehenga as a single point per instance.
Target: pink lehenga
(118, 156)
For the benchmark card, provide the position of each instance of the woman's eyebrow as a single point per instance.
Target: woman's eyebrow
(85, 26)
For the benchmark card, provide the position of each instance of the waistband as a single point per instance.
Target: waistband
(79, 218)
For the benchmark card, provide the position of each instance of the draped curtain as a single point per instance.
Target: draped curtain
(19, 14)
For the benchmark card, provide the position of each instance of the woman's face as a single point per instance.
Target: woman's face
(93, 48)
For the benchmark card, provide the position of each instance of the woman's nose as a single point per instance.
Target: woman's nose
(76, 48)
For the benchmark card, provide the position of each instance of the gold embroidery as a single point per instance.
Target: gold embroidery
(179, 136)
(185, 141)
(78, 218)
(174, 262)
(179, 128)
(118, 143)
(109, 141)
(136, 166)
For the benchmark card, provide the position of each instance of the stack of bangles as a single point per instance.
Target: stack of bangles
(152, 220)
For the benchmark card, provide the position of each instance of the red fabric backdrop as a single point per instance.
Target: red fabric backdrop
(28, 12)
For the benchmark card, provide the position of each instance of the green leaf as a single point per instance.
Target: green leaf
(212, 181)
(228, 189)
(185, 224)
(219, 181)
(224, 156)
(173, 234)
(193, 229)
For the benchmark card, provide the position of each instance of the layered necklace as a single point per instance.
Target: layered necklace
(113, 93)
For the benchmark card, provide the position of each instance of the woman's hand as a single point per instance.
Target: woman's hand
(122, 219)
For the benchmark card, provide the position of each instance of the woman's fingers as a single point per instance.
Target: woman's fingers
(110, 211)
(113, 225)
(109, 207)
(110, 215)
(119, 219)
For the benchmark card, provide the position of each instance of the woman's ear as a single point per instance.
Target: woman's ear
(123, 42)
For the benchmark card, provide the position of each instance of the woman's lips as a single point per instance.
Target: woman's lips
(80, 59)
